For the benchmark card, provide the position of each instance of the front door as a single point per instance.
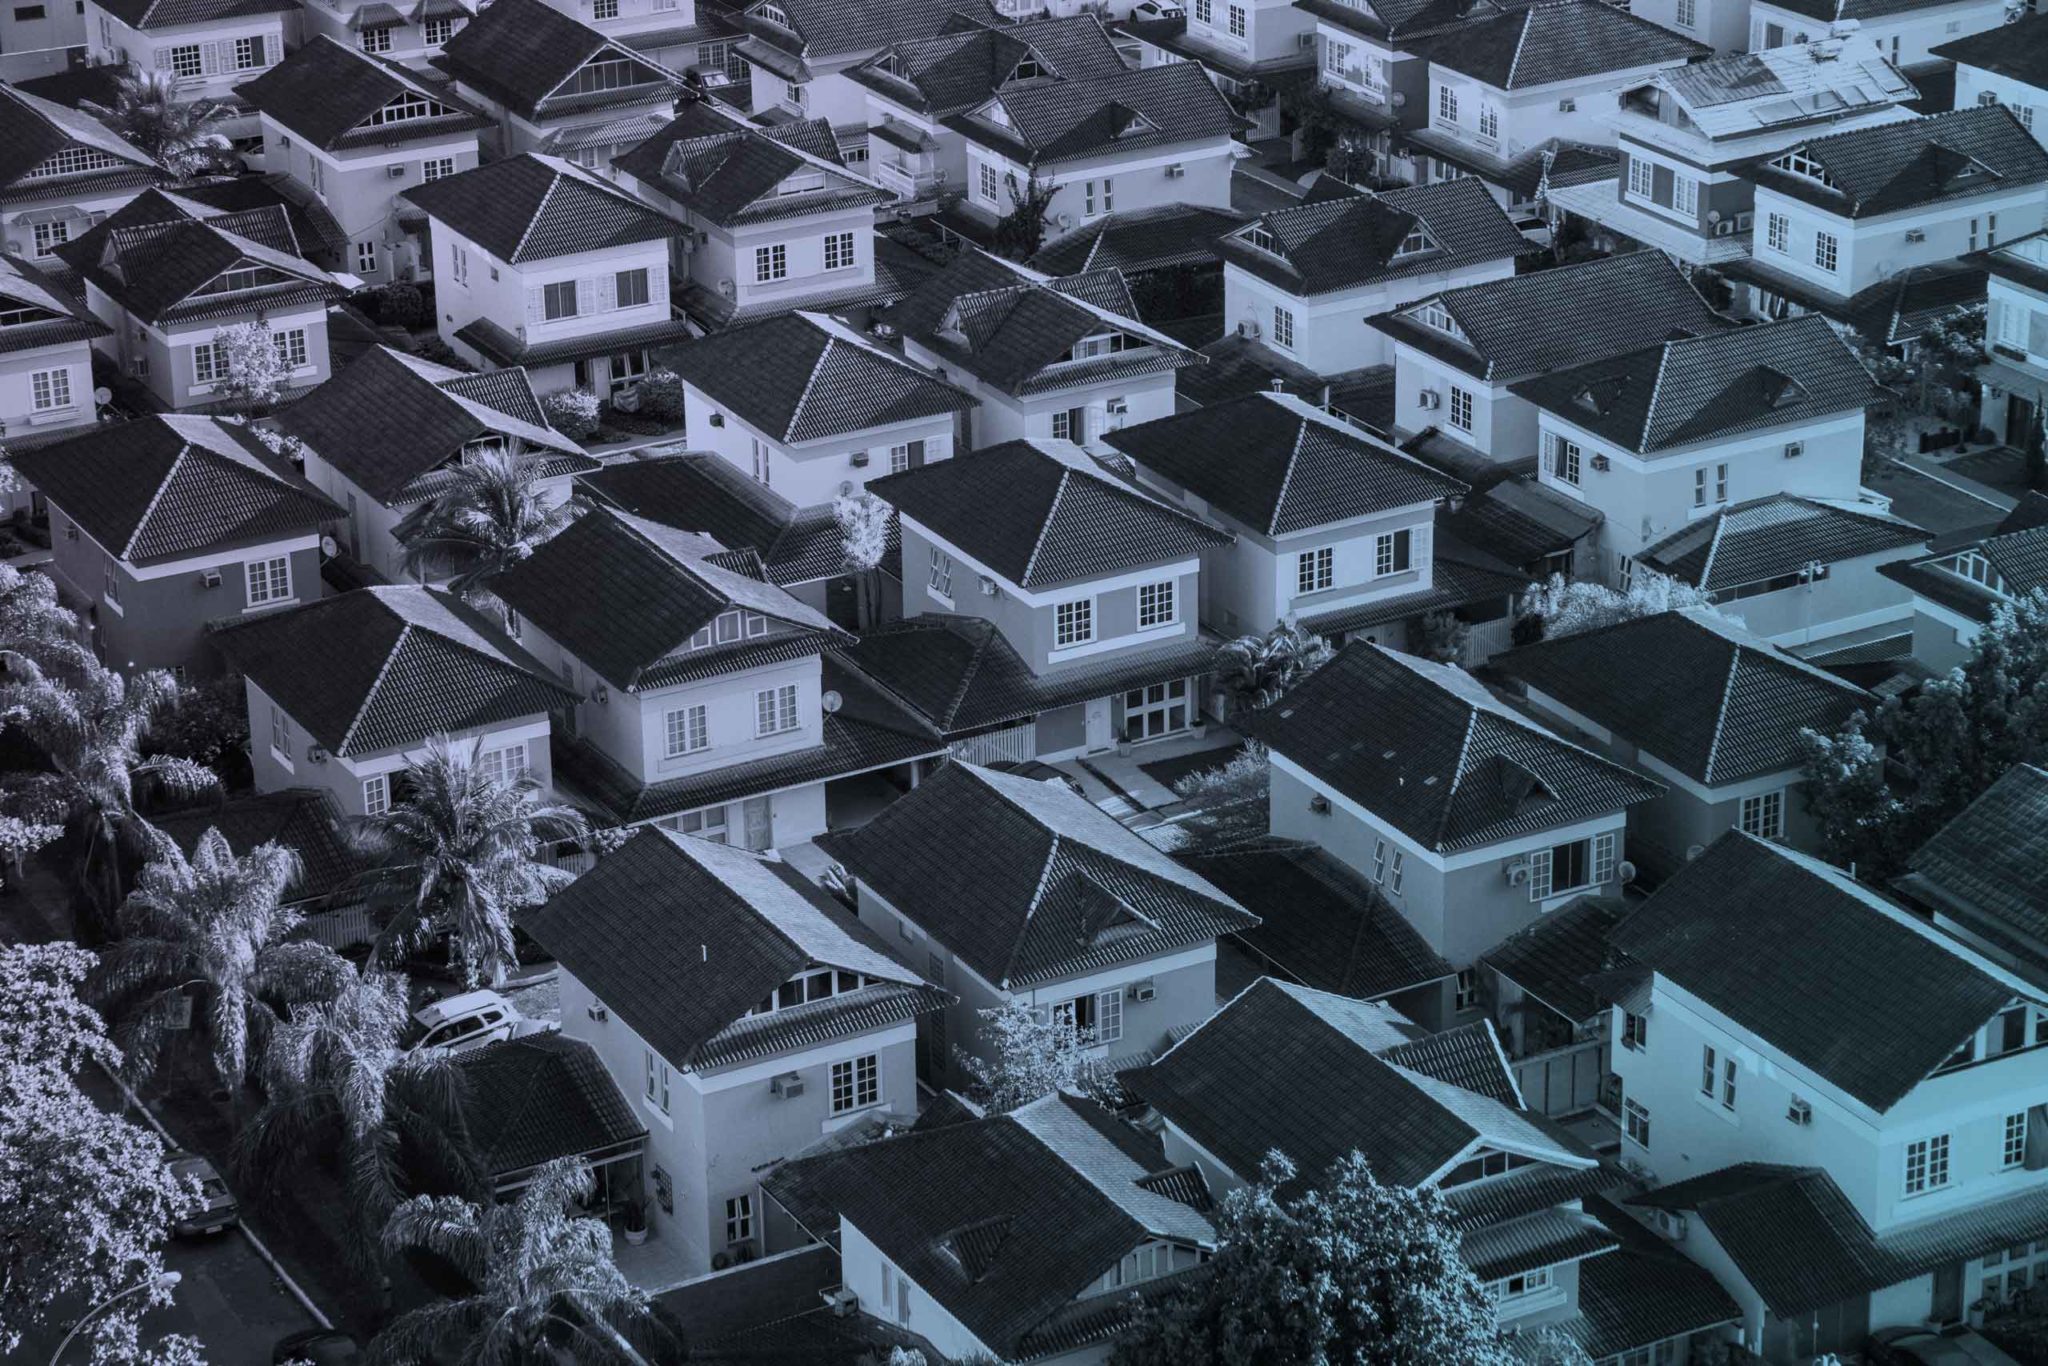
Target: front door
(1948, 1294)
(1101, 735)
(2020, 417)
(760, 823)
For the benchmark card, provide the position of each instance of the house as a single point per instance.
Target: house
(544, 1097)
(1305, 278)
(1251, 51)
(556, 85)
(1099, 145)
(914, 90)
(46, 338)
(66, 172)
(353, 131)
(1368, 67)
(788, 1022)
(1332, 527)
(1009, 890)
(680, 34)
(40, 39)
(1907, 34)
(1456, 353)
(540, 264)
(211, 46)
(382, 437)
(1709, 710)
(1957, 589)
(1548, 987)
(1092, 586)
(2003, 64)
(345, 692)
(168, 273)
(773, 218)
(1844, 213)
(1170, 237)
(1980, 876)
(1686, 132)
(2015, 374)
(1066, 359)
(1904, 1175)
(1020, 1237)
(1469, 817)
(413, 34)
(161, 525)
(813, 409)
(305, 820)
(704, 700)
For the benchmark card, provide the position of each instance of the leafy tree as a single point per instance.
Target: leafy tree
(207, 723)
(1022, 230)
(492, 516)
(184, 136)
(205, 945)
(1033, 1058)
(1231, 799)
(863, 540)
(30, 615)
(1548, 1346)
(458, 853)
(1443, 637)
(1256, 671)
(1355, 1272)
(1351, 160)
(253, 369)
(1564, 607)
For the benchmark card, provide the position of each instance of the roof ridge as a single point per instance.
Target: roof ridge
(370, 693)
(1521, 41)
(1287, 479)
(156, 497)
(554, 183)
(1721, 712)
(1720, 516)
(1656, 387)
(810, 382)
(1037, 894)
(1457, 771)
(1045, 527)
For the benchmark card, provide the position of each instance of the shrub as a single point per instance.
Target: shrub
(207, 723)
(400, 305)
(661, 395)
(573, 413)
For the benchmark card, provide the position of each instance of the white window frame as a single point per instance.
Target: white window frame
(506, 763)
(268, 580)
(2013, 1152)
(690, 725)
(1928, 1166)
(1635, 1121)
(1763, 815)
(771, 263)
(1778, 233)
(775, 711)
(739, 1218)
(1073, 623)
(1390, 547)
(1827, 251)
(941, 580)
(1567, 461)
(1158, 604)
(839, 251)
(1315, 570)
(435, 168)
(50, 390)
(1458, 411)
(376, 794)
(856, 1083)
(1642, 177)
(1283, 328)
(658, 1081)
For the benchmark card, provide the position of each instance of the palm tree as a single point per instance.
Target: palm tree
(206, 939)
(457, 854)
(1257, 670)
(542, 1286)
(488, 519)
(337, 1083)
(184, 136)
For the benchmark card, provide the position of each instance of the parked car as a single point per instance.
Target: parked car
(1157, 9)
(317, 1346)
(1037, 772)
(1914, 1346)
(469, 1020)
(218, 1206)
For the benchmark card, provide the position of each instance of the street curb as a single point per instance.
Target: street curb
(269, 1258)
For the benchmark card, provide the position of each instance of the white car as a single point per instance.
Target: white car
(457, 1024)
(1157, 9)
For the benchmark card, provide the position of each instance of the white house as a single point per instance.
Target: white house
(210, 47)
(1907, 34)
(71, 171)
(2006, 64)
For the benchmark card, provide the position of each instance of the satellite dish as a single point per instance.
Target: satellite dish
(329, 547)
(831, 701)
(1626, 871)
(103, 395)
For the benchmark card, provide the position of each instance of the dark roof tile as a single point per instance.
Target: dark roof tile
(1913, 164)
(530, 208)
(1347, 241)
(1989, 864)
(532, 1100)
(1567, 40)
(1771, 538)
(326, 94)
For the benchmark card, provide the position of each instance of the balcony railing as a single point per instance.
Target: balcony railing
(907, 184)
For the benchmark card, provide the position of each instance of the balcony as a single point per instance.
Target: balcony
(907, 184)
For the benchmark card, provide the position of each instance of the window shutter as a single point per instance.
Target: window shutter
(1418, 546)
(211, 62)
(657, 283)
(536, 307)
(607, 292)
(2037, 1138)
(163, 59)
(2037, 333)
(586, 297)
(1539, 875)
(916, 454)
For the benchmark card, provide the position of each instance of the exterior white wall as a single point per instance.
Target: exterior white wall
(1723, 23)
(1904, 38)
(1578, 111)
(1330, 335)
(1872, 249)
(2027, 102)
(110, 40)
(1503, 426)
(999, 416)
(1138, 182)
(811, 472)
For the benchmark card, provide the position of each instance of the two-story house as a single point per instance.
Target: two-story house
(168, 273)
(773, 219)
(1908, 1176)
(210, 46)
(345, 692)
(161, 525)
(1060, 358)
(1067, 602)
(1711, 711)
(1249, 48)
(1908, 34)
(411, 33)
(354, 131)
(813, 409)
(66, 172)
(46, 339)
(1369, 67)
(704, 702)
(1842, 215)
(382, 438)
(1471, 818)
(1304, 279)
(1457, 352)
(540, 264)
(1958, 589)
(746, 1013)
(556, 85)
(679, 34)
(2014, 377)
(914, 89)
(2003, 64)
(1009, 890)
(1982, 875)
(1685, 133)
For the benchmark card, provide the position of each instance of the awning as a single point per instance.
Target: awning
(376, 15)
(626, 132)
(440, 9)
(54, 215)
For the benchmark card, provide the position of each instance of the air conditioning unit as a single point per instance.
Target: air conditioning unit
(394, 172)
(858, 459)
(1724, 228)
(1602, 463)
(1516, 871)
(600, 693)
(988, 586)
(596, 1011)
(1319, 805)
(788, 1086)
(718, 419)
(1794, 449)
(1670, 1223)
(1567, 106)
(70, 531)
(1430, 398)
(316, 754)
(1143, 991)
(841, 1301)
(1799, 1111)
(1916, 234)
(1305, 41)
(209, 578)
(1744, 221)
(1249, 331)
(1176, 171)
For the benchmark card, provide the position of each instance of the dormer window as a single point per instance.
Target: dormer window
(242, 277)
(75, 161)
(1027, 70)
(604, 73)
(20, 315)
(1102, 344)
(1798, 163)
(1416, 241)
(1260, 238)
(729, 628)
(996, 114)
(806, 183)
(472, 451)
(775, 14)
(405, 109)
(1434, 315)
(1978, 570)
(816, 985)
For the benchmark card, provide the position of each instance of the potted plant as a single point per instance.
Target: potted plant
(635, 1222)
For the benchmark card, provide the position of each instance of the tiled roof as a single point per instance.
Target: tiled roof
(1912, 164)
(1989, 864)
(1544, 1238)
(728, 170)
(62, 318)
(169, 487)
(530, 208)
(955, 71)
(303, 819)
(390, 423)
(517, 52)
(1426, 748)
(1565, 40)
(1551, 958)
(1520, 521)
(154, 14)
(1280, 465)
(387, 668)
(807, 377)
(681, 937)
(33, 130)
(1714, 702)
(2018, 49)
(829, 29)
(1843, 966)
(1392, 18)
(1148, 109)
(325, 94)
(1142, 240)
(532, 1100)
(962, 676)
(1552, 320)
(1346, 241)
(1320, 923)
(1772, 537)
(503, 348)
(1525, 1191)
(1858, 11)
(1026, 881)
(1709, 387)
(1041, 513)
(625, 596)
(1302, 1071)
(1643, 1292)
(1468, 1056)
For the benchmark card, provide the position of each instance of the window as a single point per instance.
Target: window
(207, 362)
(270, 580)
(1641, 176)
(775, 710)
(506, 765)
(1336, 56)
(74, 161)
(1394, 882)
(1156, 604)
(657, 1081)
(558, 300)
(1098, 197)
(1927, 1165)
(1685, 194)
(942, 573)
(708, 824)
(291, 348)
(433, 168)
(987, 185)
(1709, 485)
(50, 389)
(1074, 623)
(1688, 13)
(1391, 553)
(1606, 853)
(1560, 869)
(1974, 567)
(762, 465)
(1564, 460)
(1824, 249)
(771, 263)
(1635, 1030)
(1205, 12)
(366, 258)
(1237, 21)
(1489, 121)
(739, 1218)
(1109, 1015)
(1531, 1282)
(49, 236)
(1777, 232)
(856, 1083)
(1283, 328)
(1709, 1070)
(1315, 570)
(186, 61)
(1636, 1123)
(604, 9)
(1467, 995)
(2014, 1152)
(1764, 815)
(24, 14)
(280, 734)
(1447, 104)
(377, 795)
(629, 288)
(1461, 409)
(458, 263)
(604, 73)
(687, 730)
(839, 251)
(437, 31)
(249, 52)
(374, 39)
